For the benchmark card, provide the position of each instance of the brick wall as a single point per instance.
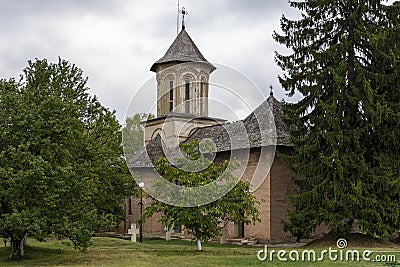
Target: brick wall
(152, 226)
(281, 185)
(271, 194)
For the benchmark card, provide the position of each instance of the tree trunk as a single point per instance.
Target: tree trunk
(198, 245)
(18, 247)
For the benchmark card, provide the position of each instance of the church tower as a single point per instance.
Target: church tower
(182, 79)
(182, 76)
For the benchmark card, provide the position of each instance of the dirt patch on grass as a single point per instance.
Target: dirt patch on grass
(355, 240)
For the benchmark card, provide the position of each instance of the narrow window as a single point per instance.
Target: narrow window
(130, 206)
(171, 96)
(187, 96)
(201, 97)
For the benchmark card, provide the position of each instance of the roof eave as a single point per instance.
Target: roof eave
(155, 65)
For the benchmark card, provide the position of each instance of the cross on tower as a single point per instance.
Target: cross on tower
(271, 93)
(184, 13)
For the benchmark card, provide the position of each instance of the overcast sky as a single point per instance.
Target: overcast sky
(115, 42)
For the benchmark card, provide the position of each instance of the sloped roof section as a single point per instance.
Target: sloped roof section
(265, 126)
(146, 156)
(282, 130)
(260, 124)
(228, 136)
(182, 50)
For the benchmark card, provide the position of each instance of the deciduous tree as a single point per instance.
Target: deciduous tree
(61, 164)
(205, 221)
(133, 133)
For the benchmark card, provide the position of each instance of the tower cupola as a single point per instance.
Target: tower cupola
(182, 76)
(182, 79)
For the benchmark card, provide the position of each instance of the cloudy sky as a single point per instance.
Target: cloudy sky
(115, 42)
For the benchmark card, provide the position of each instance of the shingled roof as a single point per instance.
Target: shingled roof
(282, 130)
(182, 50)
(261, 129)
(146, 156)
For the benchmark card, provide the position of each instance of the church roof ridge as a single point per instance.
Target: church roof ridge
(258, 124)
(182, 50)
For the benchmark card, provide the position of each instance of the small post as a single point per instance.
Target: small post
(141, 185)
(167, 234)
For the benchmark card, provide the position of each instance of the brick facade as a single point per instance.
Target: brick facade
(272, 195)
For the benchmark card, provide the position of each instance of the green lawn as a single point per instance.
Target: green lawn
(156, 252)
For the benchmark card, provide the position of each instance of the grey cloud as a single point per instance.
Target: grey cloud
(136, 33)
(9, 8)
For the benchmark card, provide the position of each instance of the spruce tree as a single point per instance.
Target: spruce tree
(345, 62)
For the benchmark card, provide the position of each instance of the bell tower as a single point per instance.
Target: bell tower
(182, 79)
(182, 76)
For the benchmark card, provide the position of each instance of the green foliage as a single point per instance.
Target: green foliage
(113, 252)
(61, 164)
(204, 221)
(345, 62)
(133, 140)
(133, 133)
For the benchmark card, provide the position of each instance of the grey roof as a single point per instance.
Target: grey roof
(282, 130)
(146, 156)
(260, 128)
(183, 49)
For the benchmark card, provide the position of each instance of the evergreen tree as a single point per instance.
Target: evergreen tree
(345, 62)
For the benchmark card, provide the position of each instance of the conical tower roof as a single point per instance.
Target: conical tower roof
(182, 50)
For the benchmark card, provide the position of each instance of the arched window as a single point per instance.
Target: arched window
(171, 95)
(130, 205)
(201, 96)
(187, 96)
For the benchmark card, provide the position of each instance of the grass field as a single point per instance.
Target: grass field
(107, 251)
